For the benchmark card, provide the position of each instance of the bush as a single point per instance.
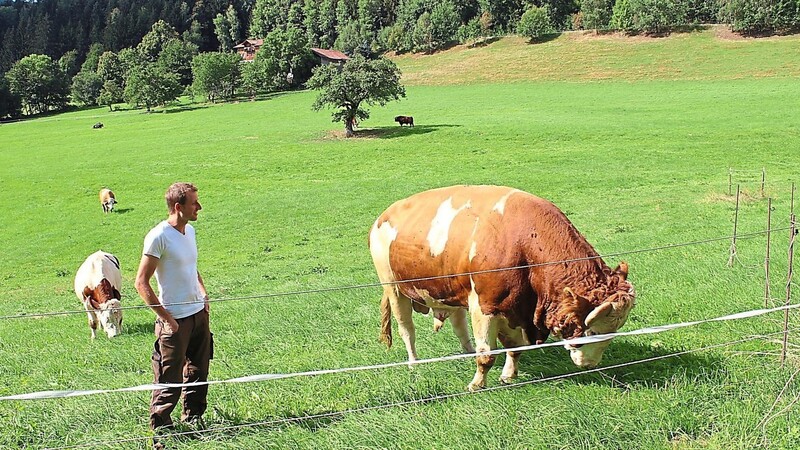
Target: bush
(760, 16)
(444, 23)
(469, 31)
(535, 22)
(702, 11)
(648, 16)
(596, 13)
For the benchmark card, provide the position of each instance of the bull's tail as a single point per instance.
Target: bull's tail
(386, 321)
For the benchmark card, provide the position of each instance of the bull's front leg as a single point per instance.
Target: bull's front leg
(484, 327)
(510, 339)
(92, 323)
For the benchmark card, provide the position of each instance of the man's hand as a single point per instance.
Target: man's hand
(171, 326)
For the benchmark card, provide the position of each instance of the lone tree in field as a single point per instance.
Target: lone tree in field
(359, 81)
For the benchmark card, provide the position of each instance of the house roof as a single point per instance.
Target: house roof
(250, 43)
(335, 55)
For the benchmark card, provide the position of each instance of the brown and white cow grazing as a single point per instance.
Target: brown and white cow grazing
(97, 285)
(463, 229)
(107, 199)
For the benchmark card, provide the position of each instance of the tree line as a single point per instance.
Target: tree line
(146, 52)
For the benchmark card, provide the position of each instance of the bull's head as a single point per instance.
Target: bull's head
(110, 203)
(588, 320)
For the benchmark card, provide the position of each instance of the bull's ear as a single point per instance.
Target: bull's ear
(622, 270)
(599, 313)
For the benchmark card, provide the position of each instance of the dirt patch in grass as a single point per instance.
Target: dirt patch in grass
(744, 197)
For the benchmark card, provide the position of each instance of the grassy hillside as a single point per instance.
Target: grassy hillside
(636, 162)
(710, 54)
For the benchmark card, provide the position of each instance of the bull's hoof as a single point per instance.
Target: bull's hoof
(507, 379)
(474, 387)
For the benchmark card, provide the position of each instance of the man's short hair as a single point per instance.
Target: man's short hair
(177, 194)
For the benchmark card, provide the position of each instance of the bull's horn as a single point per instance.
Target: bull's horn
(598, 313)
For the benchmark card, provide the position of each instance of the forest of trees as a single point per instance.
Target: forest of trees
(105, 51)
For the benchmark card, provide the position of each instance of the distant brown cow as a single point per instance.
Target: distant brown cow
(479, 229)
(107, 200)
(404, 120)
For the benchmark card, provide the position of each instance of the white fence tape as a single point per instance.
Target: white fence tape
(266, 377)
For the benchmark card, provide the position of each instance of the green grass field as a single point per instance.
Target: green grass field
(636, 162)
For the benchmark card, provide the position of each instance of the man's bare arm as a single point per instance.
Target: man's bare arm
(147, 267)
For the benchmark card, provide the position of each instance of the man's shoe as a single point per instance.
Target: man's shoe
(157, 444)
(196, 423)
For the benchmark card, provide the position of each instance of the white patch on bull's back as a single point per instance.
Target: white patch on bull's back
(440, 226)
(380, 239)
(500, 206)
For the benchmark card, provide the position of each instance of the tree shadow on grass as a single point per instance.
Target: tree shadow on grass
(398, 131)
(180, 109)
(544, 38)
(484, 42)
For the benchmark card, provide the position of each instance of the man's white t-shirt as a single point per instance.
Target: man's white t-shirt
(176, 273)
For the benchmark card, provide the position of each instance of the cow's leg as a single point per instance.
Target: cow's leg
(459, 319)
(402, 311)
(92, 322)
(484, 327)
(510, 339)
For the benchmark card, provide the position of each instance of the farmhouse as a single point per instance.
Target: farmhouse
(330, 56)
(248, 48)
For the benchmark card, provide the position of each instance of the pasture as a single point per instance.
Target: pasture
(636, 162)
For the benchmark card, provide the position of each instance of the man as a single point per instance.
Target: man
(183, 344)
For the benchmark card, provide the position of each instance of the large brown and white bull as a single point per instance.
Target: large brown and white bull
(97, 285)
(467, 229)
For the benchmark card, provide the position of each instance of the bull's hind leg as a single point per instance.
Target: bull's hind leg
(510, 339)
(402, 311)
(459, 319)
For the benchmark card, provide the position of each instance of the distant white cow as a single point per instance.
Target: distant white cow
(97, 285)
(107, 199)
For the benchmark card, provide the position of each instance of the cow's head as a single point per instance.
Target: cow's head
(584, 319)
(109, 314)
(110, 203)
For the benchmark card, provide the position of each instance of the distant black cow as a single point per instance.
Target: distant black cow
(404, 120)
(97, 125)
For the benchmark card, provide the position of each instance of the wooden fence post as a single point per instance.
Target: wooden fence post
(793, 233)
(735, 224)
(766, 258)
